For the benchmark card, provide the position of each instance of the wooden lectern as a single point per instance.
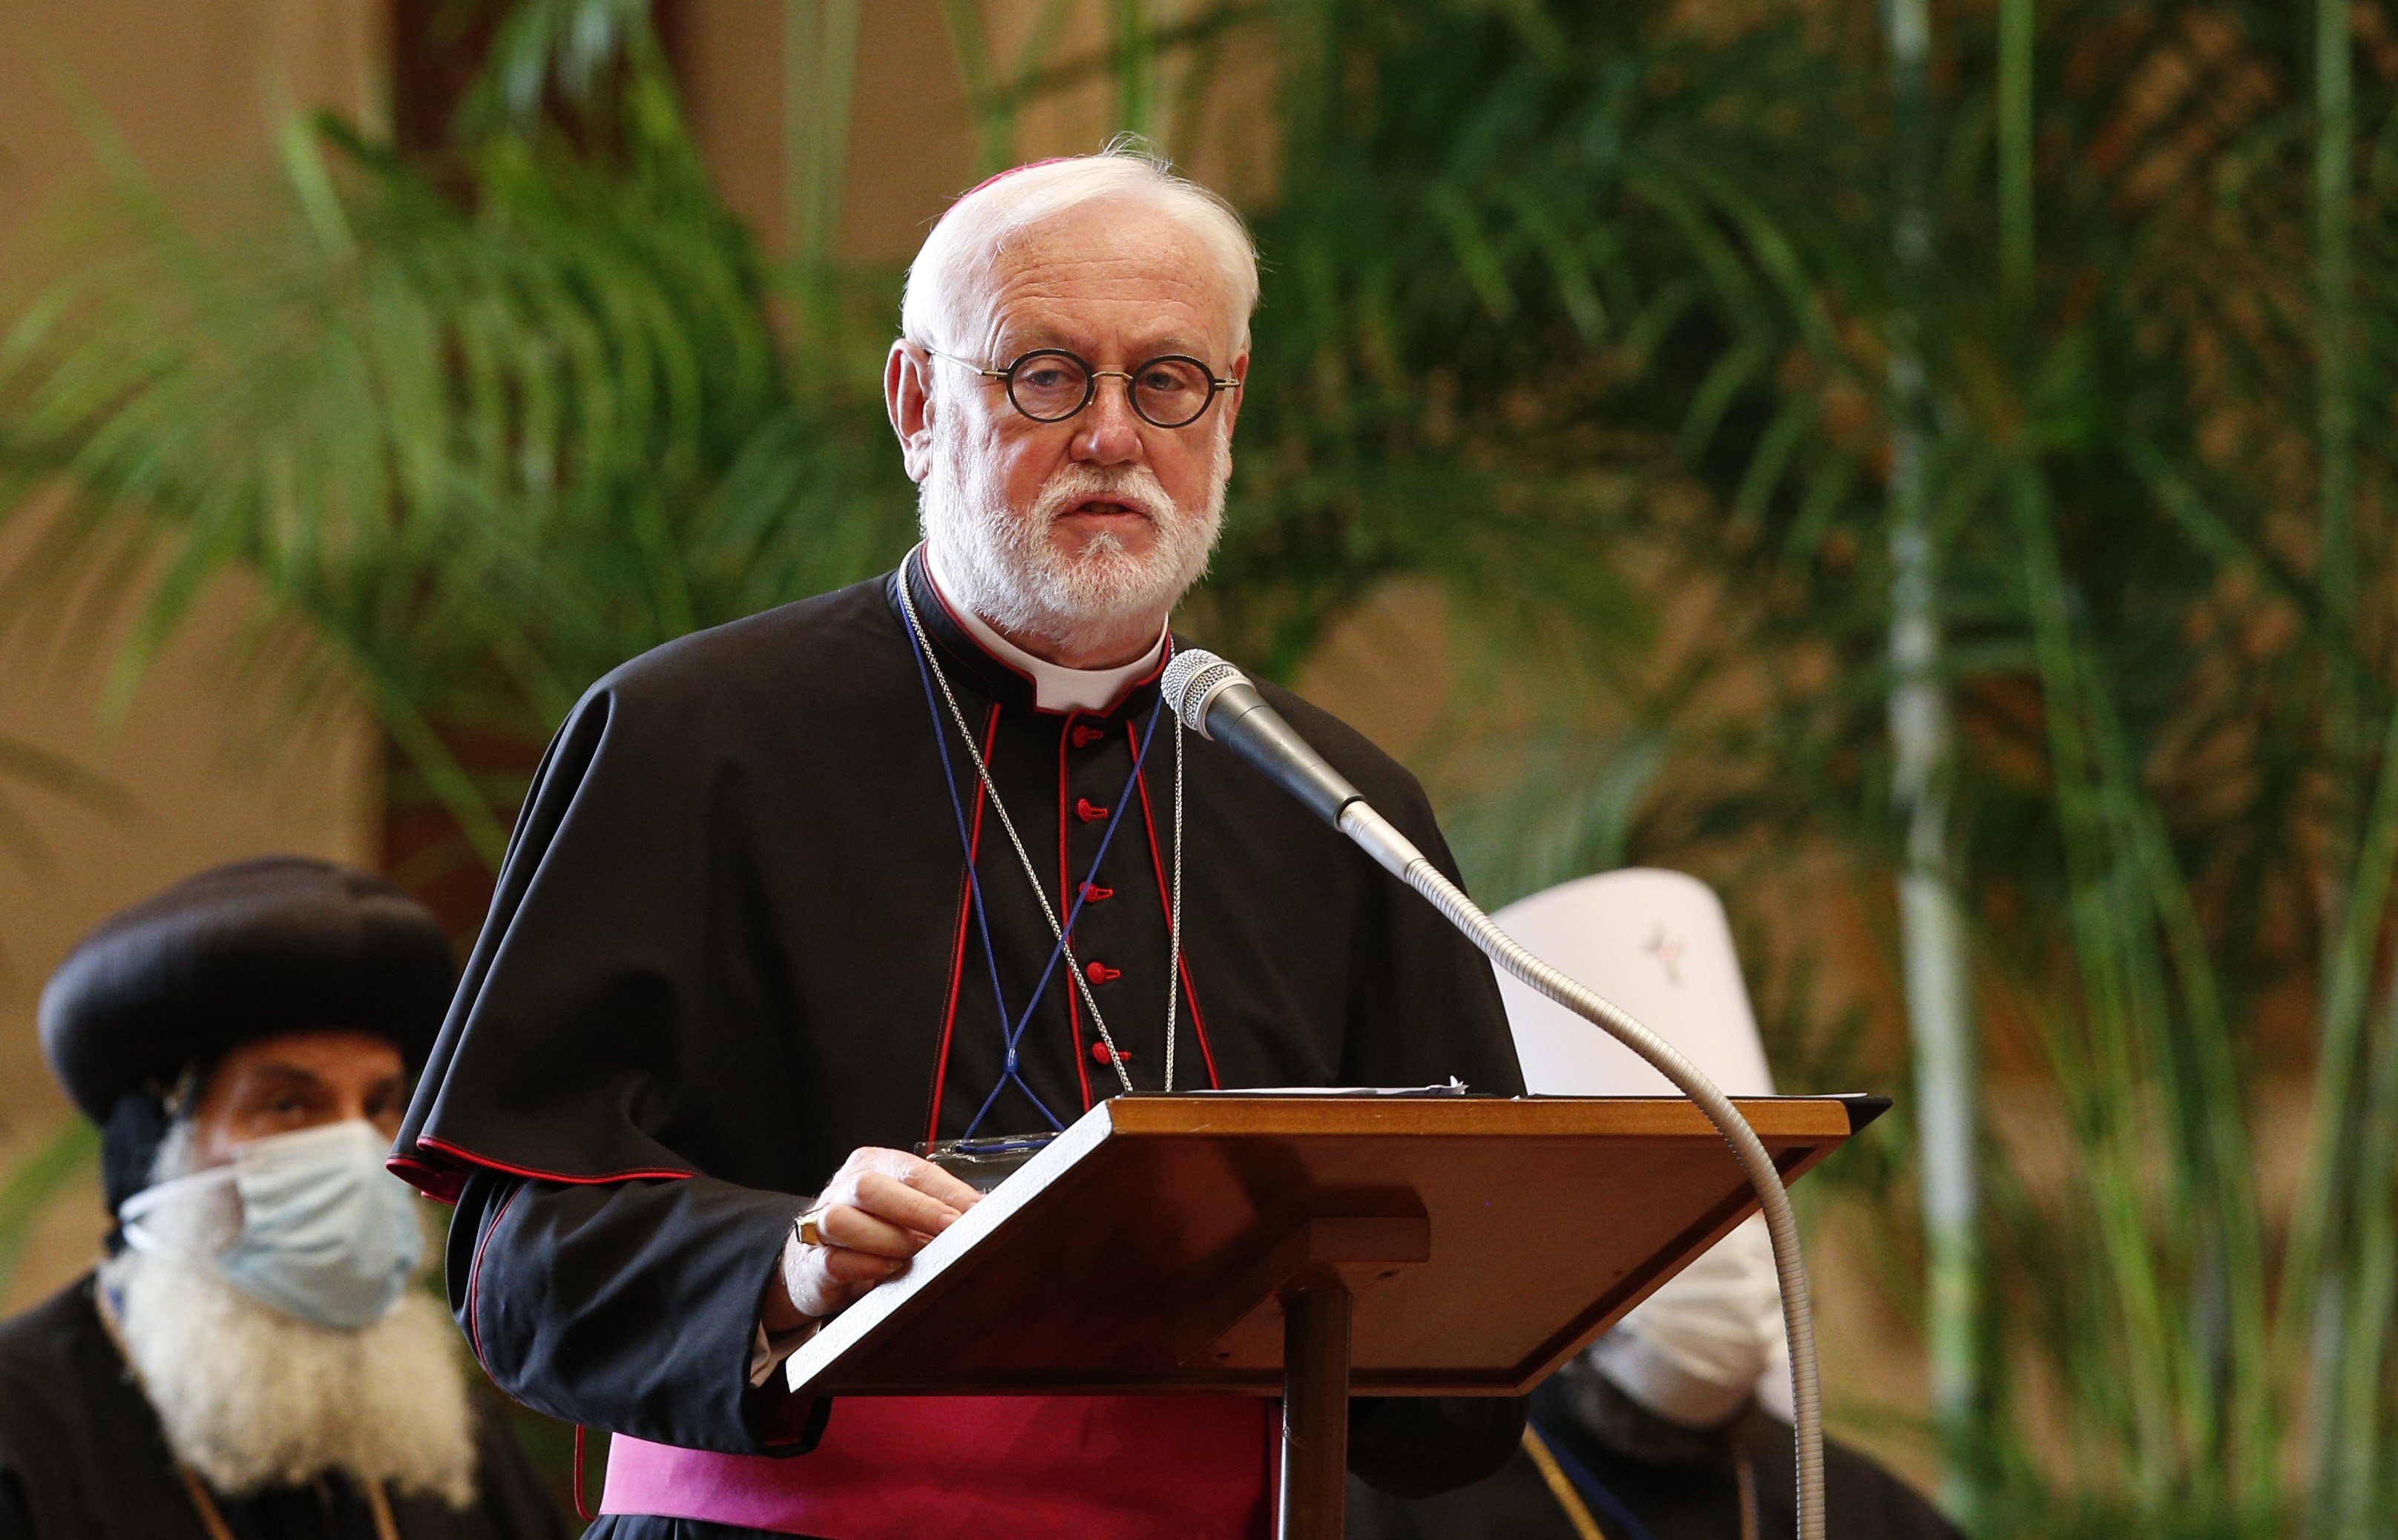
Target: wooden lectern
(1300, 1245)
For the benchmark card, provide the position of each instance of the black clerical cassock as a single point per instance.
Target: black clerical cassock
(1600, 1461)
(760, 912)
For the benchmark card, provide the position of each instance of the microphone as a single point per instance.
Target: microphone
(1220, 704)
(1217, 702)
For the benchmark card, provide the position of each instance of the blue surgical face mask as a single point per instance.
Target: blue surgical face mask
(322, 1231)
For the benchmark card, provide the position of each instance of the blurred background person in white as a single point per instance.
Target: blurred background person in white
(1675, 1423)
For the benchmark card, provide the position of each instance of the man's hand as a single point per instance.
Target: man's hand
(879, 1210)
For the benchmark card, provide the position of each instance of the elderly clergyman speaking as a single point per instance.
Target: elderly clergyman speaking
(780, 909)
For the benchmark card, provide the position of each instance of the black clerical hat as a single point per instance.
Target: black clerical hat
(233, 955)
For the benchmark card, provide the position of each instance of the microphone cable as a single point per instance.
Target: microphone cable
(1192, 683)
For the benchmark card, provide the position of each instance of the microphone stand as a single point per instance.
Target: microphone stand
(1215, 698)
(1397, 854)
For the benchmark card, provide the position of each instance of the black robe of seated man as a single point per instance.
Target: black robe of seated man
(1639, 1476)
(735, 938)
(82, 1457)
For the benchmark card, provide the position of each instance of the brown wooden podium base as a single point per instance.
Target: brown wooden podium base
(1315, 1309)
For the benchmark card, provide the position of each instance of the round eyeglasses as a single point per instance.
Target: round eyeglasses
(1051, 385)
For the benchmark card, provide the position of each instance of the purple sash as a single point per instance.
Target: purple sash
(961, 1467)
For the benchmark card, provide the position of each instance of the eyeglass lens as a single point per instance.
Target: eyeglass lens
(1167, 393)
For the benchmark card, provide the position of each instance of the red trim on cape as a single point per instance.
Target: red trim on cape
(408, 1169)
(436, 1183)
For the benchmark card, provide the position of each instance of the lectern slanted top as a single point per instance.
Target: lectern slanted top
(1484, 1240)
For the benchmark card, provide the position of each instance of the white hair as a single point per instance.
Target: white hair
(253, 1399)
(978, 226)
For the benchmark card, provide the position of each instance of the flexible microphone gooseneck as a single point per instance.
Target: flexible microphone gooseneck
(1219, 701)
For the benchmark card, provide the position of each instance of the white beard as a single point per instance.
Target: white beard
(1016, 578)
(250, 1398)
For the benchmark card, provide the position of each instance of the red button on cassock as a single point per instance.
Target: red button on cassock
(1099, 973)
(1094, 893)
(1086, 735)
(1100, 1051)
(1088, 810)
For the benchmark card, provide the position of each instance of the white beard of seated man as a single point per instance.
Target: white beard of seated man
(251, 1398)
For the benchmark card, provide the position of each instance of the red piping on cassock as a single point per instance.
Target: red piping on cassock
(958, 947)
(1066, 908)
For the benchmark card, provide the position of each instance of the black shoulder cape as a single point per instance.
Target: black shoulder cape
(736, 936)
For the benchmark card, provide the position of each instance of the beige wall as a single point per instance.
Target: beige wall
(910, 138)
(913, 141)
(204, 770)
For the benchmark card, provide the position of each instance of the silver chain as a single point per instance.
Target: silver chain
(1173, 909)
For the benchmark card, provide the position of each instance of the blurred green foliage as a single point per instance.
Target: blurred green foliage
(66, 1158)
(29, 771)
(481, 429)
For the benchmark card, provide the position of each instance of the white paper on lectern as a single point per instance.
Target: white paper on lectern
(1658, 944)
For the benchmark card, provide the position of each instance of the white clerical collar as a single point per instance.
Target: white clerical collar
(1055, 687)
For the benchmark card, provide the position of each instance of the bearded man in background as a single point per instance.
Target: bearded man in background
(923, 860)
(253, 1362)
